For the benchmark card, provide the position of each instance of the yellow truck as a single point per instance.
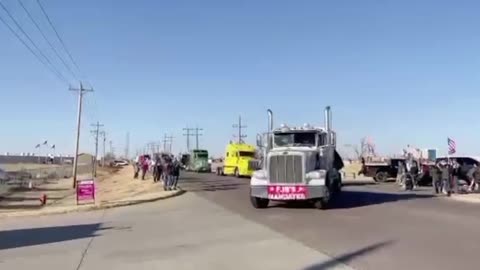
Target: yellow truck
(239, 160)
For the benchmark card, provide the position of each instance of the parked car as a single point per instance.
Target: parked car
(120, 163)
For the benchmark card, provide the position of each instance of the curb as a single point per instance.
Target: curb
(83, 208)
(114, 204)
(466, 198)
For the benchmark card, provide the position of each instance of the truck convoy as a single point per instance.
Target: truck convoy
(239, 160)
(196, 160)
(300, 163)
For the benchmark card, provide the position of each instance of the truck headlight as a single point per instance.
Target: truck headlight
(316, 175)
(260, 174)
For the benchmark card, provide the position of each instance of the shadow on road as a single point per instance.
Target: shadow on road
(46, 235)
(359, 183)
(211, 187)
(347, 257)
(353, 199)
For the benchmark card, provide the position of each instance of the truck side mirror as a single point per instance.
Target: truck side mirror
(259, 141)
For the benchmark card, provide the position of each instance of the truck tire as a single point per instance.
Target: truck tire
(237, 173)
(322, 203)
(336, 185)
(259, 203)
(219, 172)
(381, 177)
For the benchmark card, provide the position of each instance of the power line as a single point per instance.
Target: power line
(31, 50)
(47, 40)
(58, 73)
(58, 36)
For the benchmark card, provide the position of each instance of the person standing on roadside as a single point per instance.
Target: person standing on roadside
(175, 173)
(446, 175)
(436, 175)
(137, 166)
(157, 170)
(145, 165)
(167, 172)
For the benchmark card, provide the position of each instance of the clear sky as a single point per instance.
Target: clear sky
(398, 71)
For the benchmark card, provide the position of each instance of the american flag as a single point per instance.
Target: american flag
(452, 146)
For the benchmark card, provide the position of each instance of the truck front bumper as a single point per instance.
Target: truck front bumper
(313, 192)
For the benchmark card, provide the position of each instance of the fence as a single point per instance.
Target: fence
(35, 177)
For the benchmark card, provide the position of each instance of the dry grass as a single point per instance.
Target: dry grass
(26, 166)
(352, 168)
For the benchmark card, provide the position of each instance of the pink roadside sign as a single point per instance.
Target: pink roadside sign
(86, 191)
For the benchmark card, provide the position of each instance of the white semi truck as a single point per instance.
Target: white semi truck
(300, 163)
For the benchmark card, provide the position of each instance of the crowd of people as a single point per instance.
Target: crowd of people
(447, 176)
(164, 168)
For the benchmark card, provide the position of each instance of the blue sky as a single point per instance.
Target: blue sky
(398, 71)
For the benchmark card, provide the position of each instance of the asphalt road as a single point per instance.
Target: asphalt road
(368, 227)
(213, 226)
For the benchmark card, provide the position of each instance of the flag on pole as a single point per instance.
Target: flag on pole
(37, 146)
(45, 142)
(452, 146)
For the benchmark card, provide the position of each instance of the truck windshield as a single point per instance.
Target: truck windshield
(201, 155)
(246, 154)
(294, 139)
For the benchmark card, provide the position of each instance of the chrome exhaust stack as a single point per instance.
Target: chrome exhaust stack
(270, 129)
(328, 124)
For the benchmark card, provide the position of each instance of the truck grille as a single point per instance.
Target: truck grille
(285, 169)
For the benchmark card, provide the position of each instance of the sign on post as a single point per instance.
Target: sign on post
(85, 191)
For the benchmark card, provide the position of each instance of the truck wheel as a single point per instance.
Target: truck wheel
(237, 173)
(322, 203)
(381, 177)
(337, 184)
(258, 202)
(218, 171)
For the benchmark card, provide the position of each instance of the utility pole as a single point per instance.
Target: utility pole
(81, 91)
(96, 133)
(188, 134)
(240, 135)
(127, 145)
(111, 148)
(165, 142)
(104, 135)
(197, 133)
(167, 139)
(192, 132)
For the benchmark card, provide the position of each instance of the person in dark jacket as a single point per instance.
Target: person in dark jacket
(157, 170)
(175, 173)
